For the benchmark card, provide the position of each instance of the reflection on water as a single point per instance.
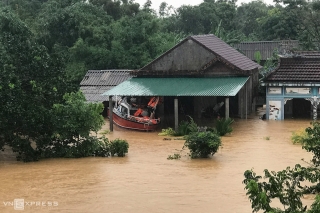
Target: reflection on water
(145, 181)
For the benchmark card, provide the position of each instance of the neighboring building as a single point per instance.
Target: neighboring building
(200, 72)
(96, 82)
(267, 48)
(293, 88)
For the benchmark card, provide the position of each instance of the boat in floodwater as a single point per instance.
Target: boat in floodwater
(137, 117)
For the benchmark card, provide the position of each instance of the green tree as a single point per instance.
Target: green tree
(290, 185)
(137, 41)
(189, 20)
(309, 29)
(165, 10)
(74, 118)
(248, 15)
(209, 17)
(31, 82)
(280, 23)
(117, 9)
(73, 123)
(80, 34)
(65, 25)
(34, 109)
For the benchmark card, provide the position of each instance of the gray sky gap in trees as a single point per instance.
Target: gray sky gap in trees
(179, 3)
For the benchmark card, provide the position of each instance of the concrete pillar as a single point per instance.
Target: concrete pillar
(160, 109)
(314, 102)
(111, 113)
(241, 103)
(227, 107)
(176, 114)
(246, 101)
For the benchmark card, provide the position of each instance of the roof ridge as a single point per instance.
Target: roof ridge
(242, 62)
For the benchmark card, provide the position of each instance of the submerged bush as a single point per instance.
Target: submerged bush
(167, 132)
(298, 137)
(84, 147)
(202, 144)
(184, 128)
(175, 156)
(102, 148)
(119, 147)
(223, 126)
(192, 126)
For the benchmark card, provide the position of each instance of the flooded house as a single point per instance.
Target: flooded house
(293, 88)
(198, 74)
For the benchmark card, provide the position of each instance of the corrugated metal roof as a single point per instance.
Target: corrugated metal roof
(266, 48)
(224, 86)
(105, 77)
(93, 93)
(96, 82)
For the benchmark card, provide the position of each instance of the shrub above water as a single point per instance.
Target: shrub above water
(119, 147)
(184, 128)
(223, 126)
(202, 144)
(299, 136)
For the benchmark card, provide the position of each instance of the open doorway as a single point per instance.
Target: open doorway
(297, 108)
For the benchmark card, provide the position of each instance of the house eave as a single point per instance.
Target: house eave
(290, 84)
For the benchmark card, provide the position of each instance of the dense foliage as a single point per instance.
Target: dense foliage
(290, 185)
(299, 136)
(223, 126)
(202, 144)
(185, 127)
(85, 147)
(119, 147)
(40, 108)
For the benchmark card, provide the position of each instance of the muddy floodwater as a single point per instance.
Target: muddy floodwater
(145, 181)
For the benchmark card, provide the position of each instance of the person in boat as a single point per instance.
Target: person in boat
(141, 112)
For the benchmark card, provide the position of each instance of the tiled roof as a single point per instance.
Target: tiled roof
(96, 82)
(297, 68)
(226, 52)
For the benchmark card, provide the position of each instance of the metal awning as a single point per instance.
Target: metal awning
(219, 86)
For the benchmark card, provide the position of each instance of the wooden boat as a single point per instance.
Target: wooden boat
(131, 116)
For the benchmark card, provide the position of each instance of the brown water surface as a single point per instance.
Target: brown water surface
(145, 181)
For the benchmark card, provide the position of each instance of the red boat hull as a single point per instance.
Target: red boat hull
(132, 124)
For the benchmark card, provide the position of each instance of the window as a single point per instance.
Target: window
(298, 90)
(274, 90)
